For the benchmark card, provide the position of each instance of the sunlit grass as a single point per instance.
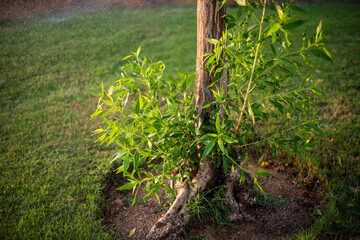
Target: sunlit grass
(52, 172)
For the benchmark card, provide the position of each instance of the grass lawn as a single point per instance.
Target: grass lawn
(52, 172)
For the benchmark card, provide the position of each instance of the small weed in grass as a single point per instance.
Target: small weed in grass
(212, 204)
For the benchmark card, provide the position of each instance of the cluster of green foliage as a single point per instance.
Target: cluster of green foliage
(152, 119)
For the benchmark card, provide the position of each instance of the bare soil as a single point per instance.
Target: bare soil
(289, 211)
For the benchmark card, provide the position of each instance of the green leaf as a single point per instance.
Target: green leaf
(126, 186)
(107, 102)
(153, 190)
(208, 148)
(318, 93)
(141, 102)
(97, 113)
(242, 176)
(278, 106)
(207, 105)
(225, 165)
(138, 51)
(169, 190)
(327, 53)
(260, 160)
(321, 54)
(239, 12)
(229, 139)
(127, 57)
(296, 8)
(217, 124)
(217, 96)
(311, 158)
(206, 138)
(273, 29)
(221, 146)
(212, 41)
(137, 107)
(251, 113)
(258, 185)
(318, 29)
(120, 169)
(262, 173)
(294, 24)
(126, 163)
(279, 11)
(100, 139)
(192, 130)
(119, 156)
(136, 160)
(95, 93)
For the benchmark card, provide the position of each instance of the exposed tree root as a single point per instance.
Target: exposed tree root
(239, 195)
(173, 222)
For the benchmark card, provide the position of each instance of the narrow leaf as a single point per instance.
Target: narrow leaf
(260, 160)
(318, 29)
(273, 29)
(278, 106)
(229, 139)
(136, 160)
(212, 41)
(192, 130)
(126, 163)
(294, 24)
(119, 156)
(221, 145)
(208, 105)
(120, 169)
(217, 124)
(251, 113)
(208, 148)
(126, 186)
(169, 190)
(321, 54)
(95, 93)
(262, 173)
(206, 138)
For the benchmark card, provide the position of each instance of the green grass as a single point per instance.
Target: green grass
(338, 151)
(52, 172)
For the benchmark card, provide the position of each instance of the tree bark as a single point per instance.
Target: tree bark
(211, 25)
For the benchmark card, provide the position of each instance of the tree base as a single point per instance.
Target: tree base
(173, 222)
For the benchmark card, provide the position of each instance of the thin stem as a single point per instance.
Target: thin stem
(252, 72)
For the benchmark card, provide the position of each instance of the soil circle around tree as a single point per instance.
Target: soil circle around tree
(289, 207)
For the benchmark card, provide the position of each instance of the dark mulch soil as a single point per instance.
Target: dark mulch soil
(287, 211)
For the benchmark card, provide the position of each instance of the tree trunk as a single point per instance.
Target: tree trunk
(211, 25)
